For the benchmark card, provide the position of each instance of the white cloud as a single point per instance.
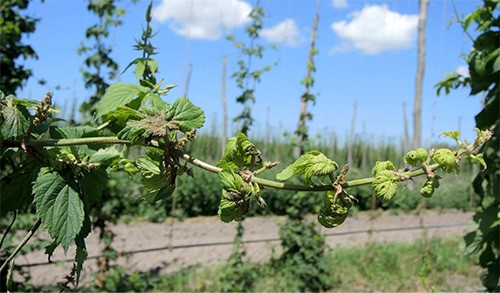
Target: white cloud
(285, 32)
(463, 71)
(339, 3)
(375, 29)
(202, 19)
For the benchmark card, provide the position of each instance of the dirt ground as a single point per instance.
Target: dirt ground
(170, 246)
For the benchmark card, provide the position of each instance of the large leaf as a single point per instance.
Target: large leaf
(77, 131)
(119, 94)
(80, 256)
(93, 184)
(186, 115)
(58, 206)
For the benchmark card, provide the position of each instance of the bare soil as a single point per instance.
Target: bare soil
(170, 246)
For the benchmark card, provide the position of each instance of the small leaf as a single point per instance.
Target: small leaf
(453, 134)
(140, 67)
(119, 94)
(385, 185)
(479, 159)
(59, 207)
(310, 164)
(186, 115)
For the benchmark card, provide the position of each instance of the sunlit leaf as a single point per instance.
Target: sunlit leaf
(119, 94)
(185, 115)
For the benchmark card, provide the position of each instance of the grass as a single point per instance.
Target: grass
(435, 265)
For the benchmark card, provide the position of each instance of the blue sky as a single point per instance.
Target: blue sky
(367, 53)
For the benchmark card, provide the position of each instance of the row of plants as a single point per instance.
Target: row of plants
(375, 267)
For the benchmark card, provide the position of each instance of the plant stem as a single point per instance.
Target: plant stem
(69, 141)
(28, 236)
(208, 167)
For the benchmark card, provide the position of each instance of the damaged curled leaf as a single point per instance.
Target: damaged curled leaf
(234, 187)
(446, 158)
(429, 187)
(238, 154)
(416, 157)
(232, 210)
(334, 211)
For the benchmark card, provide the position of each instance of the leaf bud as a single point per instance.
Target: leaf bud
(416, 157)
(382, 166)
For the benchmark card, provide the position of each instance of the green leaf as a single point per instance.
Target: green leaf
(119, 94)
(148, 167)
(15, 189)
(16, 121)
(479, 159)
(164, 192)
(140, 67)
(93, 184)
(453, 134)
(385, 185)
(77, 131)
(238, 154)
(186, 115)
(105, 156)
(153, 65)
(58, 206)
(310, 164)
(383, 166)
(496, 65)
(233, 182)
(80, 257)
(232, 210)
(123, 113)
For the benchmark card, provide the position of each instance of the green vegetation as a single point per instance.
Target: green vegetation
(64, 173)
(375, 267)
(484, 68)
